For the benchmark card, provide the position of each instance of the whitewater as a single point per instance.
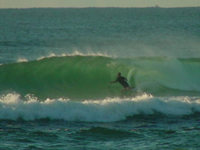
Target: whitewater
(56, 66)
(12, 107)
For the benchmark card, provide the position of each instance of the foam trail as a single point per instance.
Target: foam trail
(13, 107)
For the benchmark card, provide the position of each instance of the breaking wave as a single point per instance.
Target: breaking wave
(88, 77)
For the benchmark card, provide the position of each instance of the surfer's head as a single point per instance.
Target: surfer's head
(119, 74)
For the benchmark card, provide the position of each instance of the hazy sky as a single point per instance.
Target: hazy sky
(97, 3)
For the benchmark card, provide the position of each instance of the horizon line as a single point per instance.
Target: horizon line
(156, 6)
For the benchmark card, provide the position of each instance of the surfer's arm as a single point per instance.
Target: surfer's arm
(114, 81)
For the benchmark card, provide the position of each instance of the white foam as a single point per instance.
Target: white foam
(74, 53)
(22, 60)
(110, 109)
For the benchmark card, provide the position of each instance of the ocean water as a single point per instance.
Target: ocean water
(55, 71)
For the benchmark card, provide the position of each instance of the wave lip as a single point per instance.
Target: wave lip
(12, 107)
(74, 54)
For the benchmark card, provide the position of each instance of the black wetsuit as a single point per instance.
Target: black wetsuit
(122, 81)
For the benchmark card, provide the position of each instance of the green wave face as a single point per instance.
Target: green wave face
(88, 77)
(72, 77)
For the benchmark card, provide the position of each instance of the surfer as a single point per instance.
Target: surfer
(122, 80)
